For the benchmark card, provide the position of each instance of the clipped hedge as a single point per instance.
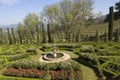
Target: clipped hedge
(87, 49)
(19, 56)
(16, 78)
(25, 64)
(2, 61)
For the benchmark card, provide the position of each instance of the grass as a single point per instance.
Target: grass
(88, 73)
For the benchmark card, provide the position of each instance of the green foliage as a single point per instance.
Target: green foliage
(30, 21)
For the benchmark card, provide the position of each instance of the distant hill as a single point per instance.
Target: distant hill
(8, 26)
(101, 18)
(4, 27)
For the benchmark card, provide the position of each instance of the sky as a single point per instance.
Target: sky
(14, 11)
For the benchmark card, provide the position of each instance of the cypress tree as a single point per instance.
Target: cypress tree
(79, 35)
(106, 36)
(1, 36)
(37, 30)
(19, 35)
(73, 36)
(97, 36)
(43, 34)
(13, 36)
(111, 20)
(9, 36)
(49, 34)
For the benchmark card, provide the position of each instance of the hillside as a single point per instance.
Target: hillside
(101, 27)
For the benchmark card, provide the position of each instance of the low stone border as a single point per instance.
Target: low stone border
(64, 58)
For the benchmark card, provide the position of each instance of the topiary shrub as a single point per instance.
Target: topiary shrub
(46, 75)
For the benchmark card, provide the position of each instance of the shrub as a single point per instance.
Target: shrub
(46, 75)
(19, 56)
(2, 60)
(87, 48)
(71, 74)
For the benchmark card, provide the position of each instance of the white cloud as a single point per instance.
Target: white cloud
(9, 2)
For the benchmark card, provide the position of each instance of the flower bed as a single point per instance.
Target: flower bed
(35, 69)
(35, 73)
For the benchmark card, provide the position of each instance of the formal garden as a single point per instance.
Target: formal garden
(22, 62)
(64, 43)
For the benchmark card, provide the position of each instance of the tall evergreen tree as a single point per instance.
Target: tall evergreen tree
(97, 36)
(13, 36)
(1, 36)
(9, 36)
(43, 34)
(49, 34)
(37, 30)
(106, 36)
(19, 35)
(111, 22)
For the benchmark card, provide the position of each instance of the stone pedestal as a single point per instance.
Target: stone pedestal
(54, 55)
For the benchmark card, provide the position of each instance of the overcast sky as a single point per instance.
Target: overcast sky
(14, 11)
